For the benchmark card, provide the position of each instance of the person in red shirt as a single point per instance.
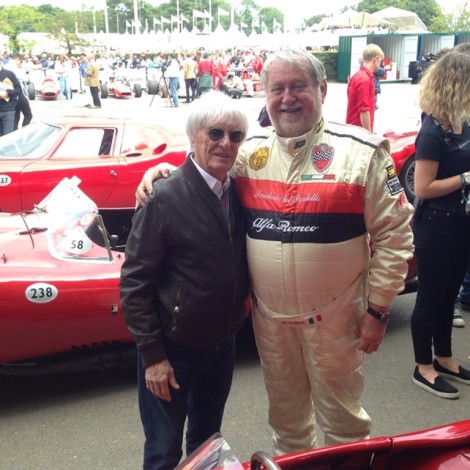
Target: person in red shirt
(204, 74)
(219, 71)
(361, 89)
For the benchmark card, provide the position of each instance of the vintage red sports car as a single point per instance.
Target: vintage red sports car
(108, 155)
(120, 87)
(439, 448)
(59, 282)
(48, 89)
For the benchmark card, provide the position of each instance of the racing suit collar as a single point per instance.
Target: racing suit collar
(293, 146)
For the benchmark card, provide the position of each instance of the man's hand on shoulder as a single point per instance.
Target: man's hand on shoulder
(145, 188)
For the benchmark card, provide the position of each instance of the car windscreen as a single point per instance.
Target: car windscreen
(32, 141)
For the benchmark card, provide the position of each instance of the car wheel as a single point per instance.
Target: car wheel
(152, 87)
(31, 92)
(104, 90)
(137, 90)
(407, 178)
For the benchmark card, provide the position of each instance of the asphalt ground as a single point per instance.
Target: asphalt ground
(90, 420)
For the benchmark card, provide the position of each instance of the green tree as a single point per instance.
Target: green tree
(452, 23)
(15, 20)
(314, 20)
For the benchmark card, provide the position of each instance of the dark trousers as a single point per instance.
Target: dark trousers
(7, 122)
(23, 107)
(442, 248)
(205, 379)
(191, 87)
(95, 95)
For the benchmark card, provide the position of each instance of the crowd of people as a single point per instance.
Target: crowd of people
(198, 71)
(203, 71)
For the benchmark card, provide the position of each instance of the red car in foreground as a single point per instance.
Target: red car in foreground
(445, 447)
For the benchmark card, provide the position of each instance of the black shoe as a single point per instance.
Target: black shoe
(440, 387)
(462, 376)
(88, 105)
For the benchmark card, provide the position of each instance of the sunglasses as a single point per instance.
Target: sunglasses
(216, 134)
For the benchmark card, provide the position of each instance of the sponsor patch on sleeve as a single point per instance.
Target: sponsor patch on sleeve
(391, 172)
(393, 183)
(394, 186)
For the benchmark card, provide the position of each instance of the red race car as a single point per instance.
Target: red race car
(108, 155)
(48, 89)
(403, 154)
(120, 87)
(444, 447)
(59, 282)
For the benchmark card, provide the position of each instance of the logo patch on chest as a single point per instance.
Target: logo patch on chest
(322, 155)
(259, 159)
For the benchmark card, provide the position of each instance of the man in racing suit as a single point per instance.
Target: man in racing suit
(319, 198)
(328, 242)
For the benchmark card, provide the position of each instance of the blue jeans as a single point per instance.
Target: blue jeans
(7, 122)
(64, 88)
(174, 84)
(205, 378)
(464, 294)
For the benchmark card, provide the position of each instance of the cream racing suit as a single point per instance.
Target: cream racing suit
(317, 207)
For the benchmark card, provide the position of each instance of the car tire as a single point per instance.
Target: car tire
(407, 178)
(152, 87)
(31, 92)
(104, 90)
(137, 90)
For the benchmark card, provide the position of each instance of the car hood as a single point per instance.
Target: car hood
(20, 234)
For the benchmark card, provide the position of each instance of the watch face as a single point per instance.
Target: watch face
(467, 178)
(384, 318)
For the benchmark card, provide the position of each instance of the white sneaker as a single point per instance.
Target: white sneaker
(458, 320)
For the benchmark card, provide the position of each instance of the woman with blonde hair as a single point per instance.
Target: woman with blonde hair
(441, 223)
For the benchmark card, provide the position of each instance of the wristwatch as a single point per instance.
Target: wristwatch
(465, 178)
(382, 317)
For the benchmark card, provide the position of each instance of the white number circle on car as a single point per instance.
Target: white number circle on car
(41, 293)
(75, 245)
(5, 180)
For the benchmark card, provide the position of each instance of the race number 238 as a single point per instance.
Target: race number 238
(41, 293)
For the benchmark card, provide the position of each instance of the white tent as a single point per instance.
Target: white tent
(401, 20)
(352, 18)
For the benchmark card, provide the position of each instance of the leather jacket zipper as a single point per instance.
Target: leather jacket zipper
(176, 308)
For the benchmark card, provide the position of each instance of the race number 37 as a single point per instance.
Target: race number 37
(41, 293)
(5, 180)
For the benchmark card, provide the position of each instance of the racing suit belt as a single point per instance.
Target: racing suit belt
(311, 318)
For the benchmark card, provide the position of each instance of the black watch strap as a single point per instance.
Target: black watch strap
(382, 317)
